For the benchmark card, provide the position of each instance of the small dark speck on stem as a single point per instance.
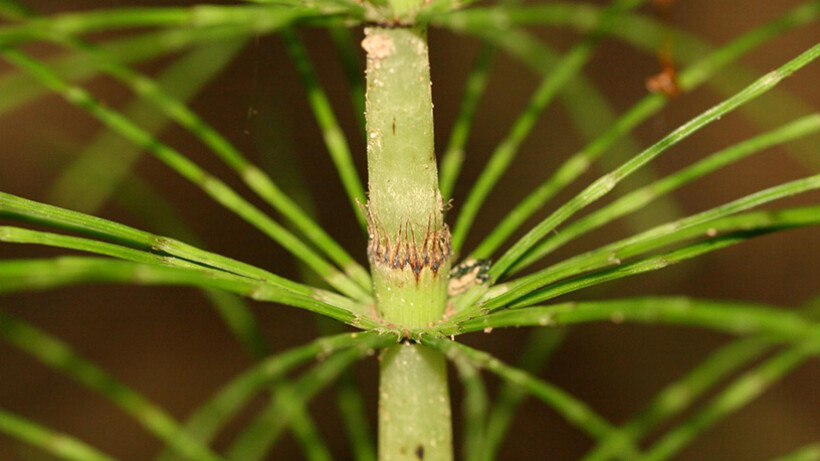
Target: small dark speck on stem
(420, 452)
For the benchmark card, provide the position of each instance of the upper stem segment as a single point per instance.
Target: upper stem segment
(409, 243)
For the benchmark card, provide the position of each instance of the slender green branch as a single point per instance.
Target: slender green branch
(689, 79)
(641, 197)
(354, 416)
(591, 114)
(237, 316)
(729, 317)
(353, 71)
(239, 319)
(206, 61)
(20, 275)
(433, 8)
(504, 154)
(58, 355)
(109, 157)
(649, 263)
(709, 223)
(571, 409)
(810, 452)
(59, 445)
(17, 208)
(541, 345)
(743, 390)
(640, 266)
(215, 188)
(256, 179)
(349, 400)
(607, 182)
(206, 420)
(254, 19)
(356, 6)
(27, 236)
(474, 410)
(646, 33)
(17, 89)
(308, 437)
(474, 89)
(580, 15)
(677, 396)
(140, 200)
(104, 163)
(331, 132)
(288, 400)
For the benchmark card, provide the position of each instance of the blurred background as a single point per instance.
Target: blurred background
(170, 345)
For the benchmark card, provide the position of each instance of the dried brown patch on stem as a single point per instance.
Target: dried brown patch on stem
(405, 249)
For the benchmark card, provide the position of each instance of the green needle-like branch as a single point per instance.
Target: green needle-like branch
(646, 33)
(474, 87)
(206, 421)
(17, 89)
(733, 318)
(216, 189)
(709, 223)
(55, 443)
(17, 208)
(308, 437)
(289, 399)
(641, 197)
(688, 79)
(606, 183)
(21, 275)
(332, 134)
(58, 355)
(499, 161)
(573, 410)
(19, 235)
(349, 56)
(591, 115)
(810, 452)
(253, 19)
(106, 162)
(351, 403)
(253, 176)
(474, 409)
(746, 388)
(542, 344)
(654, 262)
(677, 396)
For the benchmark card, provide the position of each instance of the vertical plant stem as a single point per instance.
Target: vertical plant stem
(409, 246)
(414, 405)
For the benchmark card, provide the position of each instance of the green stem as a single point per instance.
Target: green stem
(409, 246)
(414, 405)
(409, 242)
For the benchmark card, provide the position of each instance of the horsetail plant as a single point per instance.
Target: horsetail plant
(424, 286)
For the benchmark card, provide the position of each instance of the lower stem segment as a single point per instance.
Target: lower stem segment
(414, 405)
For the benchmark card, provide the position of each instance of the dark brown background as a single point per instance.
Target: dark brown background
(168, 344)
